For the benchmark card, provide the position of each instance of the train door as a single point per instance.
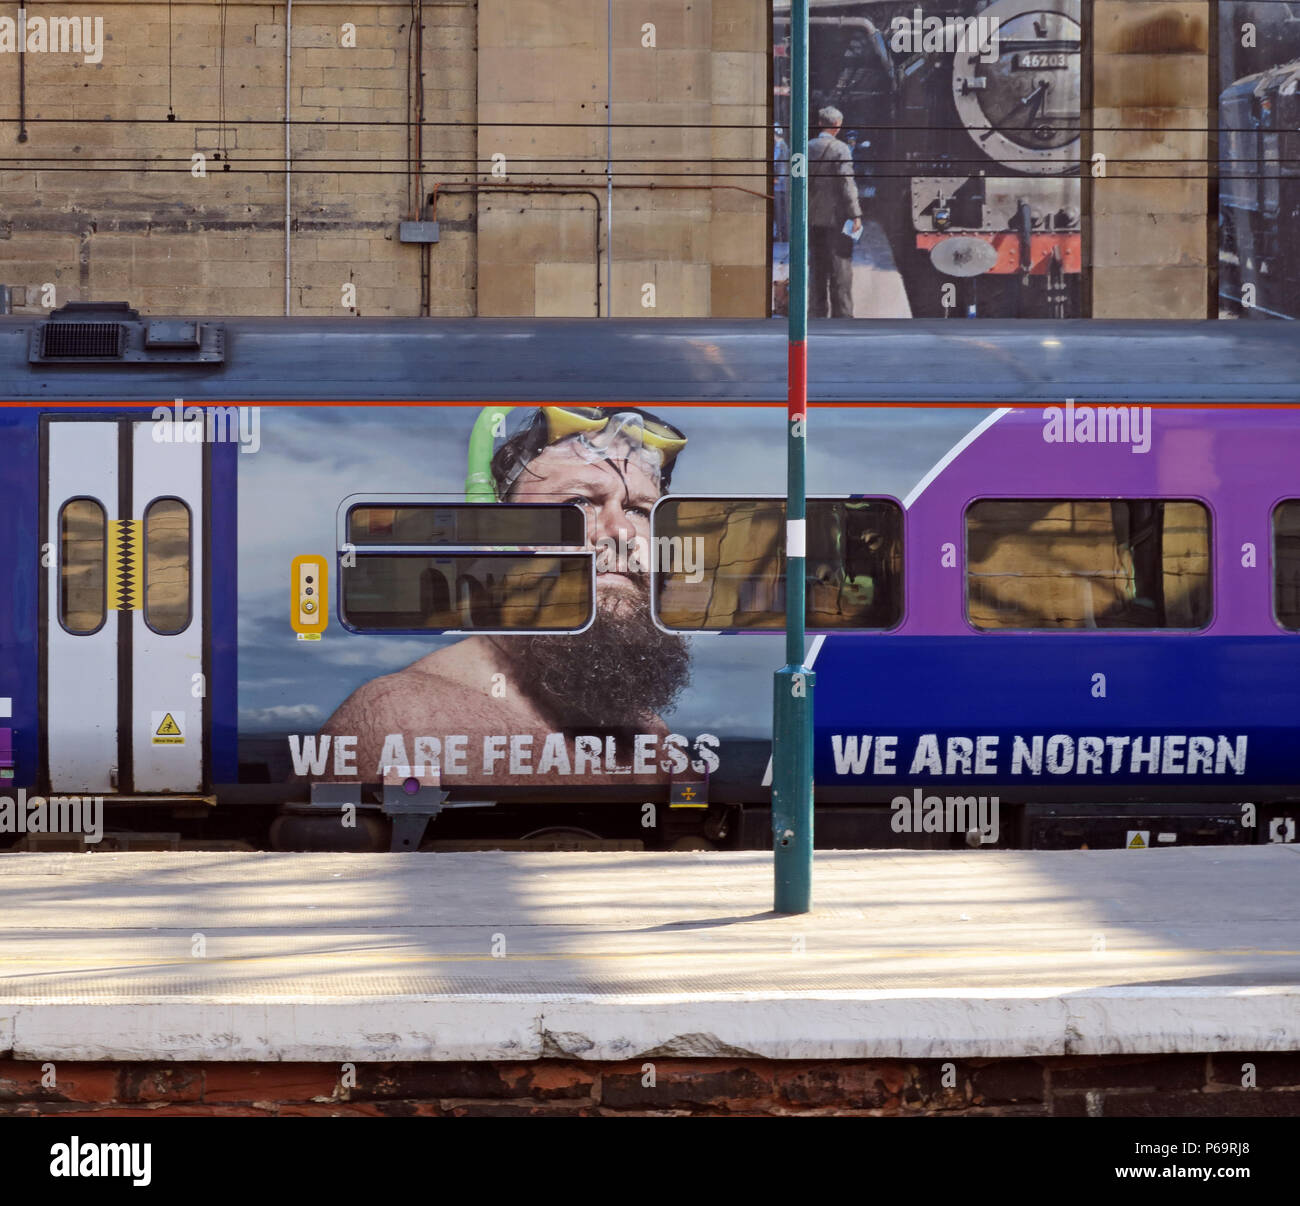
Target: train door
(124, 623)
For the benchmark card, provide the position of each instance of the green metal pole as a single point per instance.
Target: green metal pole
(792, 727)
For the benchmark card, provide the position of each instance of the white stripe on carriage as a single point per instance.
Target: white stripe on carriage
(953, 453)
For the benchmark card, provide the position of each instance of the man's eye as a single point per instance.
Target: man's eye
(639, 512)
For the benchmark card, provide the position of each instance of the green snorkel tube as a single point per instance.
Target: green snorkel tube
(479, 486)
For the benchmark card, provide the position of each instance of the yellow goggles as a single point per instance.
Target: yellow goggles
(565, 421)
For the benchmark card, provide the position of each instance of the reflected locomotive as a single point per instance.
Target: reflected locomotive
(968, 155)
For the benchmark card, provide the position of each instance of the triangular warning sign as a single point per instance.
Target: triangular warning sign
(1137, 843)
(168, 728)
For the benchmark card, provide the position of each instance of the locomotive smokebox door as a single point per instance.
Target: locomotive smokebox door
(964, 256)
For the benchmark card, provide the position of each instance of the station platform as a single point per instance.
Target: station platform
(617, 956)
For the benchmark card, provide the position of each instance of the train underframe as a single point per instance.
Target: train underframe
(1062, 823)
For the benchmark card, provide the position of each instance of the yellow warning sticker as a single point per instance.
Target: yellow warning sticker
(168, 728)
(1138, 839)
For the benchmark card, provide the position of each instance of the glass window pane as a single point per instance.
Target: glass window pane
(167, 566)
(1087, 563)
(721, 563)
(500, 592)
(83, 562)
(1286, 564)
(468, 524)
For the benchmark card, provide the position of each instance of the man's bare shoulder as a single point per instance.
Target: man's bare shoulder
(450, 684)
(388, 694)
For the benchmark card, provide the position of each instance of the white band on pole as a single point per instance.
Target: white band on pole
(796, 537)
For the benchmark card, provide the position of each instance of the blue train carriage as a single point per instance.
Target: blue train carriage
(265, 589)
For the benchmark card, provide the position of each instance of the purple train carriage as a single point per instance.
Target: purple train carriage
(378, 584)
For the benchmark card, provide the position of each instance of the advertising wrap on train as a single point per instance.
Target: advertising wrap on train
(425, 672)
(422, 672)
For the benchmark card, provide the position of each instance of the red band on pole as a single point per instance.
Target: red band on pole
(798, 378)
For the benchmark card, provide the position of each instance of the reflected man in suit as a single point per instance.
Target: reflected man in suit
(832, 201)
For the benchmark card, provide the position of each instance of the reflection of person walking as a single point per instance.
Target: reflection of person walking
(832, 201)
(781, 185)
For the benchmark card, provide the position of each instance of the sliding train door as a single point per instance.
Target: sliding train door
(124, 681)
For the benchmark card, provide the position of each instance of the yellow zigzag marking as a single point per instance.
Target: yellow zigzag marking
(125, 586)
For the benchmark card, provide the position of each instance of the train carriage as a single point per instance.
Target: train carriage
(366, 583)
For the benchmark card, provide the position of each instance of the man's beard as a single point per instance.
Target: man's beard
(617, 674)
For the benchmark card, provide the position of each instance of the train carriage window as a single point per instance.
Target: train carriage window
(485, 592)
(1286, 564)
(1087, 564)
(167, 562)
(720, 563)
(467, 524)
(83, 566)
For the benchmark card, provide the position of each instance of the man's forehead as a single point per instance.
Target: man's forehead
(564, 466)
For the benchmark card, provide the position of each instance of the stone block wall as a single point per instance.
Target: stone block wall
(528, 104)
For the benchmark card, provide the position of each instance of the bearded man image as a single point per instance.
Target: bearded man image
(530, 708)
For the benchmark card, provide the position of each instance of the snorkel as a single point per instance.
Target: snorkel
(479, 486)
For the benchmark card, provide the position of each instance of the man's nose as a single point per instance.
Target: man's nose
(609, 521)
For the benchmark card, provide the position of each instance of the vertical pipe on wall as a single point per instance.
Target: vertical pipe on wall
(22, 83)
(609, 158)
(288, 150)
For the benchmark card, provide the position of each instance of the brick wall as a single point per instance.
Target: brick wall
(1121, 1086)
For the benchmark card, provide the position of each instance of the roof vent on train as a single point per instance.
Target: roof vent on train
(114, 333)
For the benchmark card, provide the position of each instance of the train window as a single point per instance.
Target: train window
(720, 563)
(1087, 563)
(1286, 564)
(468, 524)
(167, 561)
(485, 592)
(83, 565)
